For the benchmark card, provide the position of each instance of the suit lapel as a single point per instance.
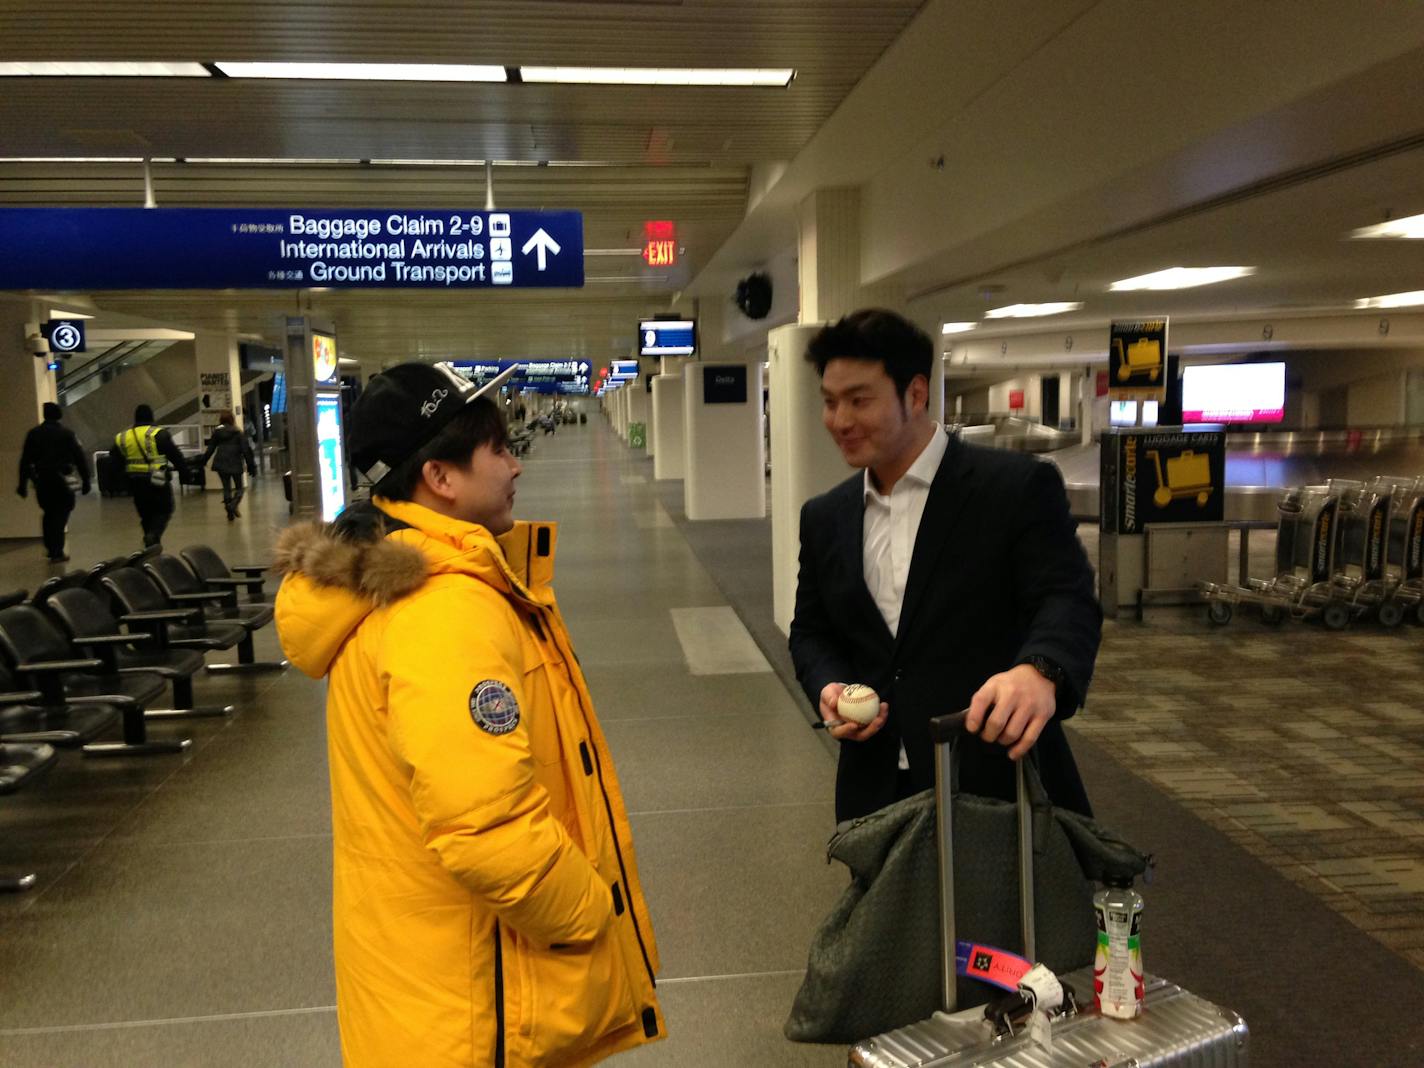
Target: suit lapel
(850, 547)
(949, 495)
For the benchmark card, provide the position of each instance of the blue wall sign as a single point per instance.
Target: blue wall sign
(224, 248)
(533, 376)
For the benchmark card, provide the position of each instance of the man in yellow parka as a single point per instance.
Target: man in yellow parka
(486, 905)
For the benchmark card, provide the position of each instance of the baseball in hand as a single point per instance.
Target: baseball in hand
(858, 703)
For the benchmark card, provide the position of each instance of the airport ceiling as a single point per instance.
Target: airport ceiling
(1325, 133)
(684, 154)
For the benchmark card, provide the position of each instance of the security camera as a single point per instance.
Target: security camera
(37, 345)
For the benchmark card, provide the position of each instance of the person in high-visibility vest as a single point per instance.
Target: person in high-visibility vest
(151, 462)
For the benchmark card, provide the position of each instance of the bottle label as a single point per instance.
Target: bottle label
(1117, 964)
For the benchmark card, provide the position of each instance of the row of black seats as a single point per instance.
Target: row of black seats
(92, 648)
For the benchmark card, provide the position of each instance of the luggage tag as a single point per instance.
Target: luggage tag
(988, 964)
(1045, 996)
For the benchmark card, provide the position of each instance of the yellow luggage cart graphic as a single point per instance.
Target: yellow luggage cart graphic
(1143, 357)
(1188, 475)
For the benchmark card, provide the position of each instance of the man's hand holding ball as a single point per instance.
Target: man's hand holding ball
(852, 713)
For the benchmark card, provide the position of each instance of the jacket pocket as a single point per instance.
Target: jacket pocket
(573, 995)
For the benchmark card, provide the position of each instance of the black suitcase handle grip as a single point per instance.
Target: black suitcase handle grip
(948, 729)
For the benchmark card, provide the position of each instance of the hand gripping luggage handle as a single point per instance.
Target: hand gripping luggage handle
(945, 732)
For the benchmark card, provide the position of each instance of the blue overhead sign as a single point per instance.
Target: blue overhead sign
(221, 248)
(533, 376)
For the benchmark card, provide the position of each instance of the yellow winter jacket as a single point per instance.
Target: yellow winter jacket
(486, 900)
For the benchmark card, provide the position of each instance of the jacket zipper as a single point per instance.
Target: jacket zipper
(612, 824)
(498, 998)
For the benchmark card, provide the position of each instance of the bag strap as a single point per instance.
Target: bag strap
(947, 732)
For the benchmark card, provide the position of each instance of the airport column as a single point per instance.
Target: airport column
(636, 404)
(219, 378)
(668, 429)
(724, 474)
(804, 460)
(28, 383)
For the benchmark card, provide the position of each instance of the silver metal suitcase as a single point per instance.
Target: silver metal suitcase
(1175, 1027)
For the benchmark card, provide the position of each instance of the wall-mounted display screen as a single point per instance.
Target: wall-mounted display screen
(667, 337)
(1234, 393)
(279, 392)
(324, 360)
(331, 459)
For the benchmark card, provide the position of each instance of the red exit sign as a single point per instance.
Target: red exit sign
(661, 247)
(660, 252)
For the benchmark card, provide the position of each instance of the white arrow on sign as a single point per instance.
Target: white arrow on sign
(543, 243)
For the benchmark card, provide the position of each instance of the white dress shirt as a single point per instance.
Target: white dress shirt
(888, 537)
(891, 523)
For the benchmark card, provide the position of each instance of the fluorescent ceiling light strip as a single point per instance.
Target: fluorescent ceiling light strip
(957, 328)
(1411, 227)
(1182, 278)
(65, 69)
(1393, 300)
(256, 160)
(1032, 311)
(56, 313)
(367, 72)
(427, 162)
(742, 76)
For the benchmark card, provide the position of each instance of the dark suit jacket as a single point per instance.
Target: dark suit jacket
(997, 575)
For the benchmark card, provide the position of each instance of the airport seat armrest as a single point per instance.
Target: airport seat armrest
(46, 667)
(114, 639)
(160, 615)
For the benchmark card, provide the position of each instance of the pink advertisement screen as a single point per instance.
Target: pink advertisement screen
(1234, 393)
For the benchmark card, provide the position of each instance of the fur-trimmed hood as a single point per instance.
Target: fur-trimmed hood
(335, 575)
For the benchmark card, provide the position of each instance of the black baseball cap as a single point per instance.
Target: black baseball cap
(404, 407)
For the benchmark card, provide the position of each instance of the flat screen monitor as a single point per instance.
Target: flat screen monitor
(667, 337)
(324, 360)
(331, 460)
(279, 393)
(1234, 393)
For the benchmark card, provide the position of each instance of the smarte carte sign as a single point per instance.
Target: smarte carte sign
(221, 248)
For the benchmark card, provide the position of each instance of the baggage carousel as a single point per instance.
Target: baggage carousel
(1260, 465)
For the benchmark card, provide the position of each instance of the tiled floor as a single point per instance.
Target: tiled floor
(183, 914)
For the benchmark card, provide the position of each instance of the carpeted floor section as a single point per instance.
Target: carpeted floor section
(1278, 776)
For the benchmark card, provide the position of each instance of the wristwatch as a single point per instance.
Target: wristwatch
(1047, 668)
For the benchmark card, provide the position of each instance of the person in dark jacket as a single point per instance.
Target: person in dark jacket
(53, 460)
(942, 575)
(230, 452)
(150, 459)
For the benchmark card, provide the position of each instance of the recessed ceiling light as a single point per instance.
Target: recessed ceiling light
(104, 70)
(658, 76)
(367, 72)
(957, 328)
(1182, 278)
(1410, 228)
(1032, 311)
(1392, 300)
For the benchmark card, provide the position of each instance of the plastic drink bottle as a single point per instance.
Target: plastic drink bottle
(1117, 966)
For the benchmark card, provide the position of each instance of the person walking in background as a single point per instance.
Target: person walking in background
(54, 461)
(230, 452)
(150, 458)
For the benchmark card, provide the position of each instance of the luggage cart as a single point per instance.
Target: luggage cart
(1404, 554)
(1302, 587)
(1364, 576)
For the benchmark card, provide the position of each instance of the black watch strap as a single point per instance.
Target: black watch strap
(1050, 670)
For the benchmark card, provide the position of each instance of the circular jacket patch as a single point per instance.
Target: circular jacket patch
(493, 707)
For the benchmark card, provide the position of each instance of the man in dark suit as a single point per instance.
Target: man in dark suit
(944, 576)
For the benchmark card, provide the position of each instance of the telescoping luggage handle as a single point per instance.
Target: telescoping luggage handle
(946, 732)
